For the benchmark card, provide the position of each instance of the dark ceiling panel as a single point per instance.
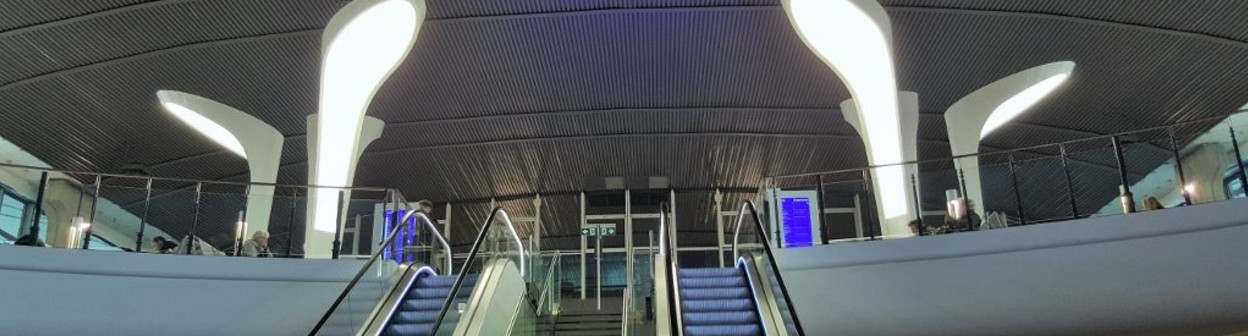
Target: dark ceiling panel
(502, 98)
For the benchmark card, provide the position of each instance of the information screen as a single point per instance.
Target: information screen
(796, 222)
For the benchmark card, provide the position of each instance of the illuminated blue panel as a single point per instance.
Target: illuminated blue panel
(796, 221)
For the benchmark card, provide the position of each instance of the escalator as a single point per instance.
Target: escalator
(748, 299)
(488, 295)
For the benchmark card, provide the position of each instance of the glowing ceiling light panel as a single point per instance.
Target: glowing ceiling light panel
(1019, 103)
(854, 39)
(207, 127)
(363, 44)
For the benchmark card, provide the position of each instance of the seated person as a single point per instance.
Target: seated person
(162, 245)
(258, 245)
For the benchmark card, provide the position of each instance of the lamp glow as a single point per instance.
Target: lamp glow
(1190, 188)
(207, 127)
(856, 45)
(363, 44)
(1019, 103)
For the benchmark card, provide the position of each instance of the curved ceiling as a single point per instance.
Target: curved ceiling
(509, 97)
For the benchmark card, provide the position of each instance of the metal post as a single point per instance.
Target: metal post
(43, 185)
(870, 199)
(190, 238)
(238, 235)
(1018, 197)
(584, 241)
(95, 199)
(824, 231)
(598, 261)
(1128, 201)
(1178, 166)
(1239, 162)
(1070, 185)
(719, 226)
(342, 194)
(147, 200)
(290, 221)
(242, 221)
(918, 207)
(966, 197)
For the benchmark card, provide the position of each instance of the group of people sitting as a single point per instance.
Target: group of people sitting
(257, 246)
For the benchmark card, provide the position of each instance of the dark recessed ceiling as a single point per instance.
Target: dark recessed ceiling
(511, 97)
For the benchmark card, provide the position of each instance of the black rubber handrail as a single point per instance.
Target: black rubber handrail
(463, 271)
(360, 275)
(669, 251)
(775, 268)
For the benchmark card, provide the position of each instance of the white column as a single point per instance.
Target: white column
(908, 117)
(976, 115)
(319, 243)
(260, 143)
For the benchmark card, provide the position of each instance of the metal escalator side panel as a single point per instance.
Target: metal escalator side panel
(764, 297)
(499, 293)
(386, 307)
(663, 318)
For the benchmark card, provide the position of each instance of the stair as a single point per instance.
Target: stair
(422, 303)
(589, 324)
(717, 301)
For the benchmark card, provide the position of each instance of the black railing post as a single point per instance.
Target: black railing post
(1178, 166)
(1070, 185)
(918, 208)
(1018, 197)
(1239, 162)
(870, 215)
(86, 231)
(824, 229)
(190, 237)
(242, 222)
(966, 197)
(338, 223)
(43, 186)
(290, 221)
(1128, 200)
(147, 200)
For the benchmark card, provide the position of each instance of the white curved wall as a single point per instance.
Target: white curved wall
(47, 291)
(1177, 269)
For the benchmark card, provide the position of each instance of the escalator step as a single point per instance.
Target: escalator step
(422, 304)
(396, 329)
(713, 282)
(720, 318)
(725, 330)
(428, 293)
(411, 317)
(722, 293)
(698, 306)
(709, 272)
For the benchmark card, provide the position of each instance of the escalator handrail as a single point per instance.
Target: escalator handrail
(668, 247)
(360, 275)
(775, 268)
(472, 257)
(438, 234)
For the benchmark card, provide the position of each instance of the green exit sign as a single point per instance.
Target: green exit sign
(590, 230)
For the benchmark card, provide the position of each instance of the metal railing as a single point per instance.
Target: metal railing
(667, 246)
(1044, 183)
(211, 216)
(473, 255)
(433, 229)
(333, 308)
(772, 266)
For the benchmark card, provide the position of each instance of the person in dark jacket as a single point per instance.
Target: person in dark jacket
(162, 245)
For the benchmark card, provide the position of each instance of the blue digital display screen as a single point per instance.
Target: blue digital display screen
(796, 222)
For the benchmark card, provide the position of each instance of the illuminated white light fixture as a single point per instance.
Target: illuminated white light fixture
(361, 46)
(1022, 101)
(855, 39)
(207, 127)
(1190, 189)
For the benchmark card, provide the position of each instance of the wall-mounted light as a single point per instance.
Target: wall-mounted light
(1190, 189)
(854, 38)
(208, 128)
(362, 45)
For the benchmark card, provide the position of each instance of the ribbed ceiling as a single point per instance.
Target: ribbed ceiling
(512, 97)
